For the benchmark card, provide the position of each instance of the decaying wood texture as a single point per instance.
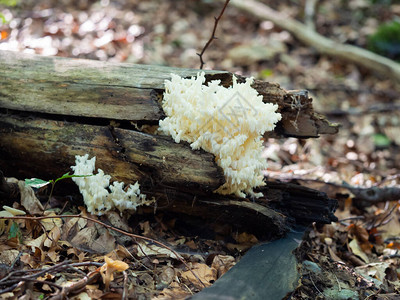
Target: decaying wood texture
(116, 91)
(36, 145)
(52, 109)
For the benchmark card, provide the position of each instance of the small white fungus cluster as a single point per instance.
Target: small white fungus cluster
(228, 122)
(98, 195)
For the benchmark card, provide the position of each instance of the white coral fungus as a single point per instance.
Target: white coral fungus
(228, 122)
(98, 195)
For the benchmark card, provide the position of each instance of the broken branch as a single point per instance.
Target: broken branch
(212, 35)
(360, 56)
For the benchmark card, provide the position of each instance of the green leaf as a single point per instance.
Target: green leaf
(36, 182)
(3, 18)
(386, 40)
(15, 231)
(381, 140)
(9, 2)
(266, 73)
(66, 175)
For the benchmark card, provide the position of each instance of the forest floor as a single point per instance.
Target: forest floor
(364, 154)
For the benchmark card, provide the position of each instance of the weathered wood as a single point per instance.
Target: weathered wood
(298, 117)
(116, 91)
(52, 109)
(182, 180)
(80, 87)
(241, 215)
(303, 204)
(49, 147)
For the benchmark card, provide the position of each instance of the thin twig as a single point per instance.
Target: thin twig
(9, 289)
(309, 13)
(338, 283)
(384, 220)
(77, 286)
(138, 261)
(15, 260)
(391, 256)
(132, 235)
(319, 292)
(212, 35)
(86, 264)
(11, 278)
(125, 285)
(40, 272)
(43, 282)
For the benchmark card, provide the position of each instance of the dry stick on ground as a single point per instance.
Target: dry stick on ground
(15, 277)
(6, 279)
(364, 197)
(15, 280)
(362, 57)
(212, 35)
(132, 235)
(77, 286)
(387, 217)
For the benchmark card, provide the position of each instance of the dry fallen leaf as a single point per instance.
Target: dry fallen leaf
(356, 249)
(84, 238)
(374, 270)
(8, 256)
(167, 275)
(81, 296)
(37, 243)
(71, 227)
(222, 263)
(50, 223)
(52, 237)
(174, 292)
(29, 260)
(104, 244)
(145, 249)
(29, 199)
(362, 236)
(8, 212)
(245, 237)
(206, 274)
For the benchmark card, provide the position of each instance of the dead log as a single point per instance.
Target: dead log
(52, 109)
(127, 92)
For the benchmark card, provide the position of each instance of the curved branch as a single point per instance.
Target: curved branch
(362, 57)
(212, 35)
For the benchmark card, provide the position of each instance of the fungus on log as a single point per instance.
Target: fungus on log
(52, 109)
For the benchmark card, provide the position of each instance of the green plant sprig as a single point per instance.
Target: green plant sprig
(39, 183)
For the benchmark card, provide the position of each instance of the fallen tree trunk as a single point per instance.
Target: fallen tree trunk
(52, 109)
(126, 92)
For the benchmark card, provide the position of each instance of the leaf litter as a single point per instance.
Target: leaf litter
(361, 250)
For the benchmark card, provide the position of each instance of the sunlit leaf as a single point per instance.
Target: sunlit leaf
(9, 2)
(266, 73)
(36, 182)
(381, 140)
